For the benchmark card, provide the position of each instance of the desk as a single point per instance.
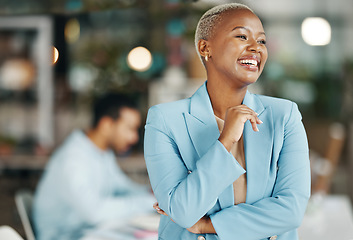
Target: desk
(139, 228)
(28, 162)
(133, 165)
(327, 218)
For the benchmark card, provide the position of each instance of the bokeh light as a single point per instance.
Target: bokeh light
(17, 74)
(55, 55)
(139, 59)
(72, 30)
(316, 31)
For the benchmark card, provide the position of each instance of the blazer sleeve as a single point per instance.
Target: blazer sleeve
(284, 210)
(185, 197)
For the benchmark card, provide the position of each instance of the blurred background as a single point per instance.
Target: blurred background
(57, 55)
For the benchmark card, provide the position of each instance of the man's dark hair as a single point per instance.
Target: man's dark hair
(110, 105)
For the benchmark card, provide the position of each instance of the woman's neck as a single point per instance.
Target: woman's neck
(224, 96)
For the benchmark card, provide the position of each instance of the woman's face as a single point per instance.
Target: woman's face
(237, 47)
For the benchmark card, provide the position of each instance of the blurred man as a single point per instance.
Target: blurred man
(82, 186)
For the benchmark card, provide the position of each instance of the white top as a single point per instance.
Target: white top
(237, 150)
(82, 186)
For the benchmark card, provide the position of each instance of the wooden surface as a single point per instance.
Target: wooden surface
(131, 163)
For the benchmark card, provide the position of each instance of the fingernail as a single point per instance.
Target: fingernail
(261, 121)
(256, 113)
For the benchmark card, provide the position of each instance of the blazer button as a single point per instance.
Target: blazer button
(189, 171)
(273, 237)
(201, 238)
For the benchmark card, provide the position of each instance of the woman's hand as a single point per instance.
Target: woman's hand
(204, 225)
(234, 124)
(160, 211)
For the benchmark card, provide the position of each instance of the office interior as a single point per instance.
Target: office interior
(56, 56)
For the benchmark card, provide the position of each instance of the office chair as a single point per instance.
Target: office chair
(23, 199)
(334, 148)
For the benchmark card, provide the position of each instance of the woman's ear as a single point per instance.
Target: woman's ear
(204, 48)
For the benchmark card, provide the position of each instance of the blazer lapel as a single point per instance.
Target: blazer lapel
(203, 131)
(258, 149)
(201, 123)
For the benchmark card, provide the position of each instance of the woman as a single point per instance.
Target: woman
(227, 164)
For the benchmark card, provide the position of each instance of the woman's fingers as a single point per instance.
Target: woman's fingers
(156, 206)
(252, 116)
(253, 122)
(234, 121)
(160, 211)
(248, 112)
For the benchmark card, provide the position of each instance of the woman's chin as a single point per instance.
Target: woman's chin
(249, 80)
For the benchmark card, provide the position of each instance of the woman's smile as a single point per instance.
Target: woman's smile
(250, 62)
(238, 49)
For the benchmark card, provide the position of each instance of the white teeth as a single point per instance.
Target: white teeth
(249, 61)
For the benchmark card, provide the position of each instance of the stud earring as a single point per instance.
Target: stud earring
(206, 58)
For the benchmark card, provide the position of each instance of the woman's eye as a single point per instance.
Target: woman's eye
(241, 37)
(262, 42)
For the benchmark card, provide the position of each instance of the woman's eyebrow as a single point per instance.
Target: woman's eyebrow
(240, 27)
(247, 29)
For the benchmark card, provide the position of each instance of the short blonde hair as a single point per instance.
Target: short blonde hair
(206, 25)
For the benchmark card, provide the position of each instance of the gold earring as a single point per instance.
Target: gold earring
(206, 58)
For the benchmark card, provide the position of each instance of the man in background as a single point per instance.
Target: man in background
(82, 185)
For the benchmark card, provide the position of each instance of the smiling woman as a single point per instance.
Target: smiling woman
(236, 48)
(225, 163)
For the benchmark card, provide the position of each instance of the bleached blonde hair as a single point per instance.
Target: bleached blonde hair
(207, 23)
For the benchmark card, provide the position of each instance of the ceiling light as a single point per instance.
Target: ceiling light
(139, 59)
(316, 31)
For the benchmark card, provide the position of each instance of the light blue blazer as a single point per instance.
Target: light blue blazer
(191, 172)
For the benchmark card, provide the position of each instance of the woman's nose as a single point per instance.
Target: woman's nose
(254, 46)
